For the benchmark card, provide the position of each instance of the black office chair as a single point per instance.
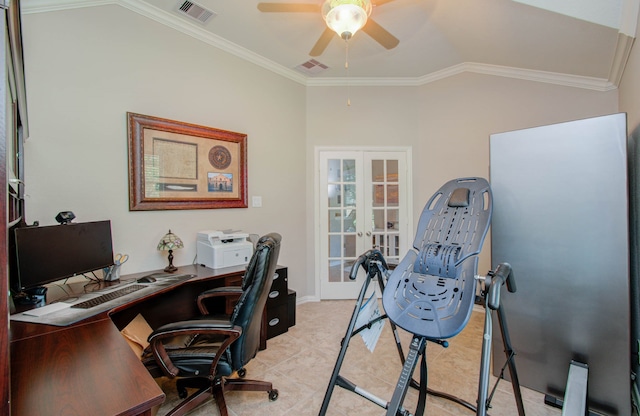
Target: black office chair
(202, 353)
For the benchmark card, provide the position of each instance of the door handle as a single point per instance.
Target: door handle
(368, 233)
(359, 233)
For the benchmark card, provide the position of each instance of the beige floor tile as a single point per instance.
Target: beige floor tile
(299, 363)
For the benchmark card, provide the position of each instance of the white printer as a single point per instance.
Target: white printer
(217, 249)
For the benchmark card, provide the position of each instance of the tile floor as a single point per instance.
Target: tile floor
(300, 363)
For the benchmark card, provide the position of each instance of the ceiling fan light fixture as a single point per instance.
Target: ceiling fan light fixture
(346, 17)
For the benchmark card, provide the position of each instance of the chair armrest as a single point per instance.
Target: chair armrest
(193, 325)
(215, 292)
(221, 327)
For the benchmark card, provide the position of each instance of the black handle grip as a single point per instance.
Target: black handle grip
(364, 261)
(500, 275)
(359, 261)
(377, 255)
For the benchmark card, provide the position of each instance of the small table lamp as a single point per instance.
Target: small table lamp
(170, 241)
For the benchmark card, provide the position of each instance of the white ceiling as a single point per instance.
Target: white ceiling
(581, 43)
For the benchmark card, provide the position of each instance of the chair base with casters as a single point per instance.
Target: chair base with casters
(205, 352)
(217, 388)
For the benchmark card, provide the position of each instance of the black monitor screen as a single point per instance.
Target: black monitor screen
(49, 253)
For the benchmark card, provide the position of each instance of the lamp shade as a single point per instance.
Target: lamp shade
(170, 241)
(346, 17)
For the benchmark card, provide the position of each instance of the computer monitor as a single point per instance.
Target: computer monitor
(49, 253)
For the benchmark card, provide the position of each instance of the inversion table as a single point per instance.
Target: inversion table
(431, 293)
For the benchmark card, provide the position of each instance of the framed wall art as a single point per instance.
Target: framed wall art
(176, 165)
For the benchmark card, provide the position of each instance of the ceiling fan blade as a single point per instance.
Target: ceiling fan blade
(381, 2)
(380, 34)
(289, 7)
(322, 42)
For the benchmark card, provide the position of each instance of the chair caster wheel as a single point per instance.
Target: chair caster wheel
(273, 395)
(182, 393)
(242, 372)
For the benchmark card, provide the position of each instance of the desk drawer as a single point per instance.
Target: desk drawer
(291, 307)
(278, 292)
(277, 320)
(280, 280)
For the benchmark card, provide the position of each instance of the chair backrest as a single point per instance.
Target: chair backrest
(432, 291)
(452, 226)
(256, 284)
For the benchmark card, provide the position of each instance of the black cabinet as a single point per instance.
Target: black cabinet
(281, 305)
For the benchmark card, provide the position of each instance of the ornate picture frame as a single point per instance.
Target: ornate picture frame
(176, 165)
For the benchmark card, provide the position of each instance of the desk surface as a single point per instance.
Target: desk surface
(80, 370)
(88, 368)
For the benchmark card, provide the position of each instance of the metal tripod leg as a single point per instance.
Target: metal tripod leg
(345, 345)
(502, 273)
(415, 350)
(510, 353)
(485, 363)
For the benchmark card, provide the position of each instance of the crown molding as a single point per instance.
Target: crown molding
(575, 81)
(41, 6)
(599, 84)
(620, 58)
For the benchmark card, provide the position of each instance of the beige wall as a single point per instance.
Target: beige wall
(459, 114)
(630, 86)
(447, 123)
(87, 67)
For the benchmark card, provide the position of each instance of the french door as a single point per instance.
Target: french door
(363, 204)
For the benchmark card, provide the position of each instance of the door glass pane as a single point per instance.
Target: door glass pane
(392, 195)
(349, 195)
(377, 241)
(350, 220)
(392, 171)
(335, 271)
(392, 219)
(349, 245)
(334, 220)
(333, 171)
(394, 246)
(347, 270)
(335, 246)
(377, 171)
(378, 220)
(349, 170)
(378, 195)
(334, 195)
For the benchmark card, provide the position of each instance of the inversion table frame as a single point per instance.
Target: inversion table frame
(451, 229)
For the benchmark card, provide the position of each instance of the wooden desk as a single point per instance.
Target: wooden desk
(81, 370)
(88, 368)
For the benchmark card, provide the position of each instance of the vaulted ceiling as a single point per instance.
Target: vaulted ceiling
(581, 43)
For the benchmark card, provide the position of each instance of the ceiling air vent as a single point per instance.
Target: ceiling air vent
(312, 67)
(195, 11)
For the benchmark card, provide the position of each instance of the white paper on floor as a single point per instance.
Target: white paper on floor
(368, 312)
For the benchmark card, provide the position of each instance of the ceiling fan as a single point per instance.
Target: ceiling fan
(331, 11)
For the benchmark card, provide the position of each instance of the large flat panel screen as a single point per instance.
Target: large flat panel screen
(49, 253)
(560, 218)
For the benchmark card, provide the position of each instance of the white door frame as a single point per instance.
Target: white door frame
(316, 192)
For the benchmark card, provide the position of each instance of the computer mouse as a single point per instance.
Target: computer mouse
(146, 279)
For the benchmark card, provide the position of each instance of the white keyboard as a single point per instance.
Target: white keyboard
(47, 309)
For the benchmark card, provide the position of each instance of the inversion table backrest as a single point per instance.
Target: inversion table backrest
(431, 292)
